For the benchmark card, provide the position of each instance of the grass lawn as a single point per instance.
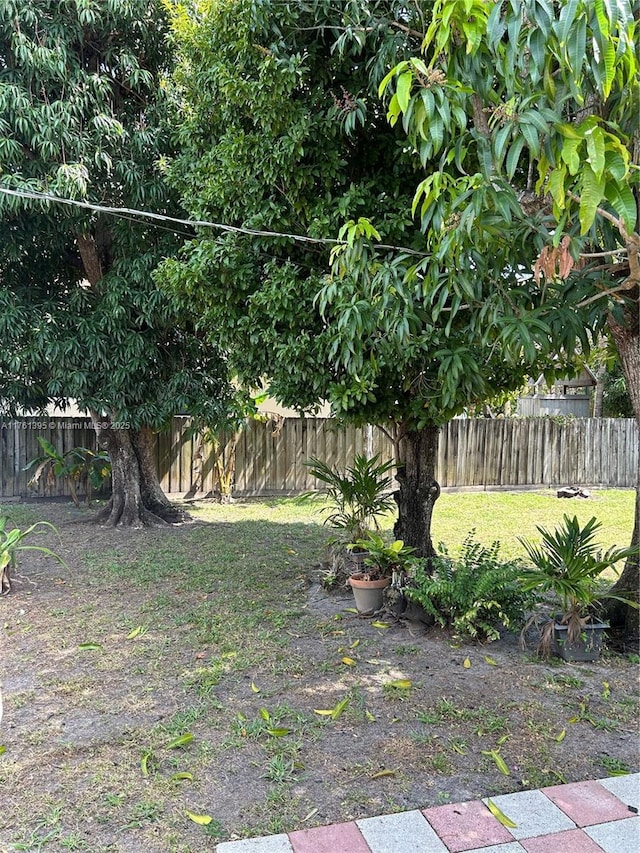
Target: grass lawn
(507, 515)
(173, 673)
(494, 515)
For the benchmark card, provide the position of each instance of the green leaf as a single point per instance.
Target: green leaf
(500, 815)
(513, 157)
(591, 194)
(86, 647)
(620, 197)
(576, 47)
(182, 777)
(339, 708)
(531, 137)
(278, 732)
(200, 819)
(182, 740)
(500, 140)
(569, 153)
(403, 89)
(144, 763)
(595, 150)
(498, 759)
(400, 683)
(387, 79)
(567, 21)
(557, 186)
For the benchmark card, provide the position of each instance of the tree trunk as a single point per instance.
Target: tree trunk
(416, 457)
(136, 497)
(627, 339)
(623, 616)
(153, 498)
(598, 397)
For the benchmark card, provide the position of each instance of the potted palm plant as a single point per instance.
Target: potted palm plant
(381, 561)
(569, 565)
(356, 497)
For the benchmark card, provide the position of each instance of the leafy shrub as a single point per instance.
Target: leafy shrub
(569, 564)
(474, 593)
(11, 543)
(383, 559)
(80, 467)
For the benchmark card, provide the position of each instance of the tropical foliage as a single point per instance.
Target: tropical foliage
(553, 132)
(569, 565)
(79, 467)
(82, 117)
(11, 544)
(400, 322)
(357, 496)
(474, 594)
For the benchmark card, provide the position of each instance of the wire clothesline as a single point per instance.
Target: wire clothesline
(128, 212)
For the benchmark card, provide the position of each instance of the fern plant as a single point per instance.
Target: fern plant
(473, 594)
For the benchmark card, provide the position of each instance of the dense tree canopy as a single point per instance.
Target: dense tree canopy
(401, 323)
(82, 116)
(554, 129)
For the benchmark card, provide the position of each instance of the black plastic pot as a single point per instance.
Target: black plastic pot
(586, 648)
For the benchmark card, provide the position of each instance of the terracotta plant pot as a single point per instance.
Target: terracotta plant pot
(368, 594)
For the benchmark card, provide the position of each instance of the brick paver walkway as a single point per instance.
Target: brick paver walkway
(584, 817)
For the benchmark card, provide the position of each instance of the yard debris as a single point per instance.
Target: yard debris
(573, 492)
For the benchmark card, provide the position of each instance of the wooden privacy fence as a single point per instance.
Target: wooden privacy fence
(270, 457)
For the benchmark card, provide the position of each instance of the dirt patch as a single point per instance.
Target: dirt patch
(220, 630)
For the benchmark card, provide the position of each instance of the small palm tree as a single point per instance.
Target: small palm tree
(357, 497)
(569, 564)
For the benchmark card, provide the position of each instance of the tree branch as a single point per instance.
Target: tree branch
(406, 29)
(627, 284)
(619, 251)
(479, 117)
(614, 220)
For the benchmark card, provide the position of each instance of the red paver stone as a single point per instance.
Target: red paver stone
(587, 803)
(570, 841)
(464, 826)
(339, 838)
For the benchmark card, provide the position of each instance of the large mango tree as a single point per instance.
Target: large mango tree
(539, 101)
(330, 287)
(83, 120)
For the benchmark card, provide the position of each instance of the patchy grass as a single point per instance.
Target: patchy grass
(180, 672)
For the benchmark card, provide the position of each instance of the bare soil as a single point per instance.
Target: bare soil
(101, 672)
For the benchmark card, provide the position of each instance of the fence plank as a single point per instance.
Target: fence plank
(479, 453)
